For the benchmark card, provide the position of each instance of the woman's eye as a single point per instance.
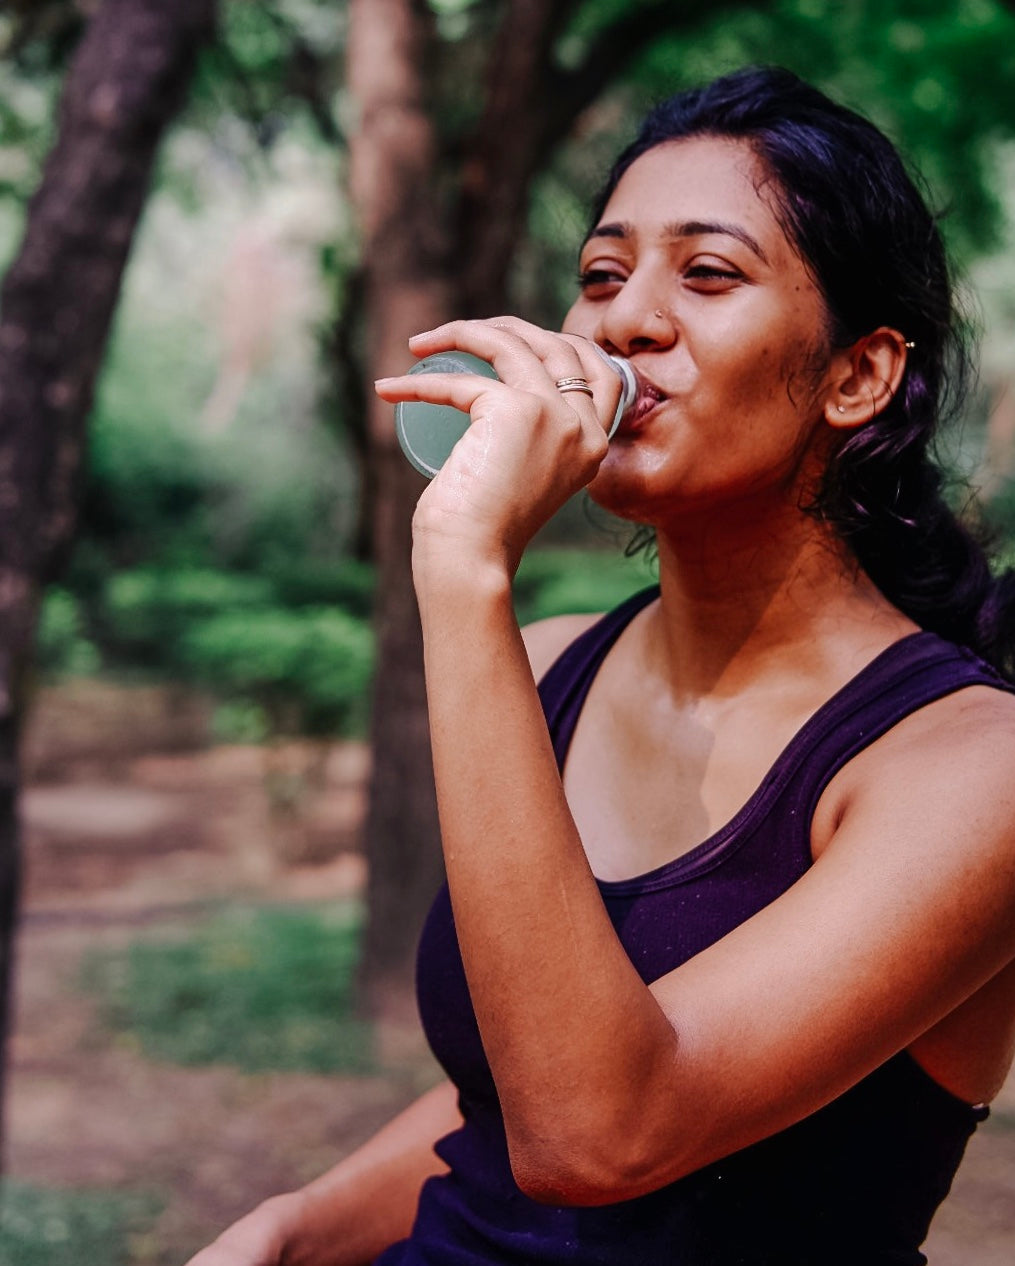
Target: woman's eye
(593, 278)
(716, 274)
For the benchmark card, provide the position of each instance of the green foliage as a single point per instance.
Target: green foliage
(240, 721)
(190, 537)
(559, 581)
(290, 652)
(281, 661)
(936, 74)
(42, 1227)
(161, 490)
(272, 64)
(260, 989)
(150, 488)
(308, 668)
(28, 88)
(62, 647)
(1002, 520)
(148, 612)
(300, 582)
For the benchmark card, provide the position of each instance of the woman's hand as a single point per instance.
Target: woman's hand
(529, 447)
(259, 1239)
(351, 1214)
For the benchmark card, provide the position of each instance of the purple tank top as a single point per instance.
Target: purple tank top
(856, 1182)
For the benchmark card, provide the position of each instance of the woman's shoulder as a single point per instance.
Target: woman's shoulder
(961, 746)
(973, 724)
(546, 639)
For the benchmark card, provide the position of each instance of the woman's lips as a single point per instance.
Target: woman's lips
(645, 401)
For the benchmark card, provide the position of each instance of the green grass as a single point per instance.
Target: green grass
(263, 989)
(40, 1227)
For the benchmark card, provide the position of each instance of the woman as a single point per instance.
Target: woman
(729, 973)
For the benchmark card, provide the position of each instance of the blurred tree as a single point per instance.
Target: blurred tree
(125, 83)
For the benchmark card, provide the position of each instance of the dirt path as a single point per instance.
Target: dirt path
(119, 842)
(86, 1112)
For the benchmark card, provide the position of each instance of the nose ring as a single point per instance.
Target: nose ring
(659, 312)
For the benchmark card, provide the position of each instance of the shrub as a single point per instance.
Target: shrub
(308, 668)
(62, 647)
(147, 612)
(41, 1227)
(554, 582)
(261, 989)
(347, 584)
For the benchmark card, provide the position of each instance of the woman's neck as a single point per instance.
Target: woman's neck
(747, 592)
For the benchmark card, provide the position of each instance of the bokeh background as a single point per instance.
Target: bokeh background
(223, 807)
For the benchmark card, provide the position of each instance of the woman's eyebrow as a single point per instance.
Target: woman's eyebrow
(700, 228)
(689, 228)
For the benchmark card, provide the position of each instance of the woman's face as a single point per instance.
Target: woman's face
(690, 275)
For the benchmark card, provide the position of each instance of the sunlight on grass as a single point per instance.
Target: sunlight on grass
(261, 989)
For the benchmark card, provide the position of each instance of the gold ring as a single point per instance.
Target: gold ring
(573, 384)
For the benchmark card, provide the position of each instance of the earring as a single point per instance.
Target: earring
(841, 408)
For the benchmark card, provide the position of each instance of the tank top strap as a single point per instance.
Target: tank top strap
(567, 681)
(917, 670)
(911, 673)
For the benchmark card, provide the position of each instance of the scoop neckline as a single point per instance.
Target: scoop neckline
(727, 838)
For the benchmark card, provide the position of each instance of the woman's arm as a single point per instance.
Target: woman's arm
(357, 1209)
(611, 1089)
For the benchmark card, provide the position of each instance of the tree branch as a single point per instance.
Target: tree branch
(613, 49)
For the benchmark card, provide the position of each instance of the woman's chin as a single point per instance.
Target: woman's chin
(630, 485)
(621, 502)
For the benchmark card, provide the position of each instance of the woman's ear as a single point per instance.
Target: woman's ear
(869, 375)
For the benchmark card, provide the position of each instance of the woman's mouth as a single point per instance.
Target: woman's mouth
(645, 401)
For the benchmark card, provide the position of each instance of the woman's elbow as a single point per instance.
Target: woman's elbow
(585, 1172)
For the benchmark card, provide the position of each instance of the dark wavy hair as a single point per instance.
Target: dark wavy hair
(865, 233)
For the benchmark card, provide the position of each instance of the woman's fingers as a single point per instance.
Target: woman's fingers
(532, 359)
(519, 416)
(460, 391)
(522, 354)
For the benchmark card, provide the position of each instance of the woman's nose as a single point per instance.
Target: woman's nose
(633, 323)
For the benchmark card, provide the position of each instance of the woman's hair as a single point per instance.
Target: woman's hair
(865, 233)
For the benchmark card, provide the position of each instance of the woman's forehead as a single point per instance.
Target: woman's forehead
(681, 187)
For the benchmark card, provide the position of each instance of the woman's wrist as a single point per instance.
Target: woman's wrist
(285, 1215)
(449, 572)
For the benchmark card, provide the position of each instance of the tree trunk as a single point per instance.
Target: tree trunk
(510, 144)
(407, 287)
(125, 83)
